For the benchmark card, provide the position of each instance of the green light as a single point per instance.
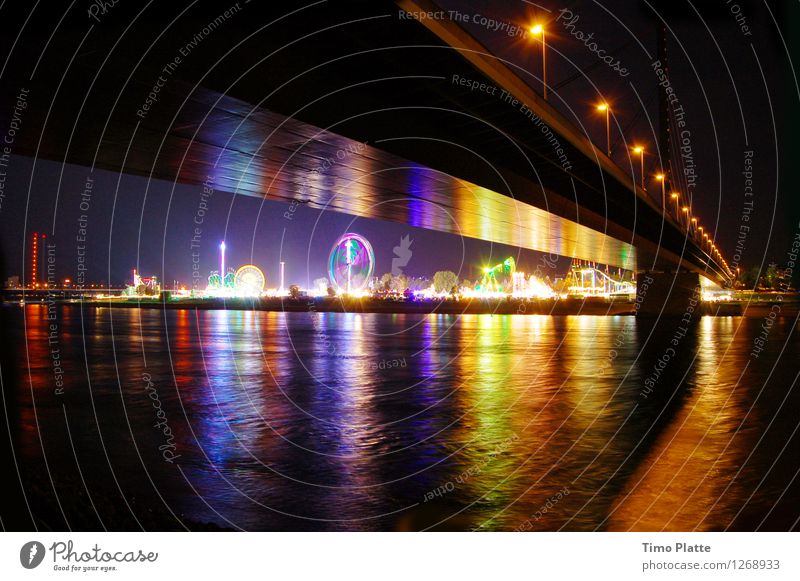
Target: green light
(505, 270)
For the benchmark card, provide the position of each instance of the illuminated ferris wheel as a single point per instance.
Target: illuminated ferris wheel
(249, 280)
(351, 263)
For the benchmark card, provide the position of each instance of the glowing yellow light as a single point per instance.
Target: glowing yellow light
(536, 29)
(638, 149)
(602, 107)
(660, 176)
(674, 196)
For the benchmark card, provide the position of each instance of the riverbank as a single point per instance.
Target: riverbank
(598, 306)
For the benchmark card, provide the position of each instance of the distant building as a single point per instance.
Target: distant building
(35, 265)
(12, 282)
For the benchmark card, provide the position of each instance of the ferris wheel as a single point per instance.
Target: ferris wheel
(249, 280)
(351, 263)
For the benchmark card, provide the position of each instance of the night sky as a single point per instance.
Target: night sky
(136, 224)
(151, 230)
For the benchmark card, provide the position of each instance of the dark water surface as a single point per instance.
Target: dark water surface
(383, 422)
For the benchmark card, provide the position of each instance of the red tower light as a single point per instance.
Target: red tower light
(35, 250)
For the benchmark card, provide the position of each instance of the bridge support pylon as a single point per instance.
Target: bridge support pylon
(668, 294)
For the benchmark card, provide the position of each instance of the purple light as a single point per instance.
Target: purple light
(222, 262)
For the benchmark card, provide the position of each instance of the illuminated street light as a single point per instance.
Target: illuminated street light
(685, 210)
(662, 178)
(674, 196)
(604, 108)
(536, 30)
(222, 261)
(640, 150)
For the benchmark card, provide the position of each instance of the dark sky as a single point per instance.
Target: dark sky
(714, 68)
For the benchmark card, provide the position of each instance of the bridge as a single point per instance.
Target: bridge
(352, 107)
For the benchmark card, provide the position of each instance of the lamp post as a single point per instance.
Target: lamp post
(660, 177)
(640, 150)
(685, 210)
(674, 196)
(604, 108)
(222, 264)
(537, 30)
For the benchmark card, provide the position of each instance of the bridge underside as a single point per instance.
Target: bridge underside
(264, 154)
(344, 106)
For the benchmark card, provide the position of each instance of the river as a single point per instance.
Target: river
(140, 418)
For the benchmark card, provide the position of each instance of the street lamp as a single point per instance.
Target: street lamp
(604, 108)
(660, 177)
(536, 30)
(685, 210)
(222, 264)
(640, 150)
(674, 196)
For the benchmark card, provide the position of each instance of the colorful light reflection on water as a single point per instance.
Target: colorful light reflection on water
(383, 422)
